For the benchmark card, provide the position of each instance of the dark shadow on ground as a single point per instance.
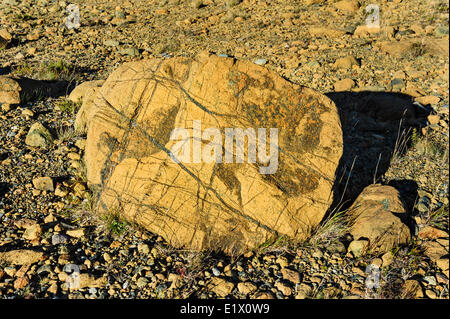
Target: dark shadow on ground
(374, 124)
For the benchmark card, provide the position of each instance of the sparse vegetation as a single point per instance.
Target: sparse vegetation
(115, 224)
(53, 70)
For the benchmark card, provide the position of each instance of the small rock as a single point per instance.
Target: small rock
(89, 281)
(5, 38)
(358, 247)
(435, 250)
(285, 289)
(365, 30)
(111, 43)
(378, 262)
(347, 5)
(304, 291)
(44, 269)
(53, 288)
(221, 287)
(433, 119)
(21, 282)
(129, 51)
(282, 261)
(142, 282)
(376, 213)
(38, 136)
(21, 256)
(346, 63)
(397, 84)
(27, 113)
(81, 144)
(344, 85)
(215, 271)
(175, 279)
(59, 239)
(107, 257)
(423, 204)
(33, 232)
(43, 183)
(431, 280)
(25, 223)
(6, 107)
(49, 219)
(427, 100)
(429, 232)
(76, 233)
(430, 294)
(10, 271)
(143, 249)
(33, 36)
(61, 191)
(260, 61)
(444, 265)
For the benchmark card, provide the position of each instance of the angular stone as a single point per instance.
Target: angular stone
(375, 215)
(412, 289)
(5, 38)
(347, 5)
(16, 90)
(76, 233)
(346, 62)
(33, 232)
(344, 85)
(435, 250)
(84, 90)
(38, 136)
(21, 256)
(321, 31)
(429, 232)
(221, 287)
(246, 288)
(429, 99)
(304, 291)
(291, 275)
(358, 247)
(43, 183)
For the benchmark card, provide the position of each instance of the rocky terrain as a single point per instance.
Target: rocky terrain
(48, 214)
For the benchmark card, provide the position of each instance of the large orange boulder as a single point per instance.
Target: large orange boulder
(157, 149)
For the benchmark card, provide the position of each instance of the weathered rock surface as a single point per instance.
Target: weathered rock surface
(199, 205)
(375, 216)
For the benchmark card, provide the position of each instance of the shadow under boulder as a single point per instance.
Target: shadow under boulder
(16, 90)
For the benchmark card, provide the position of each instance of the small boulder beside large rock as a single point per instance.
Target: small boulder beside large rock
(377, 216)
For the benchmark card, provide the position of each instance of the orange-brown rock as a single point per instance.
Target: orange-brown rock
(220, 205)
(376, 217)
